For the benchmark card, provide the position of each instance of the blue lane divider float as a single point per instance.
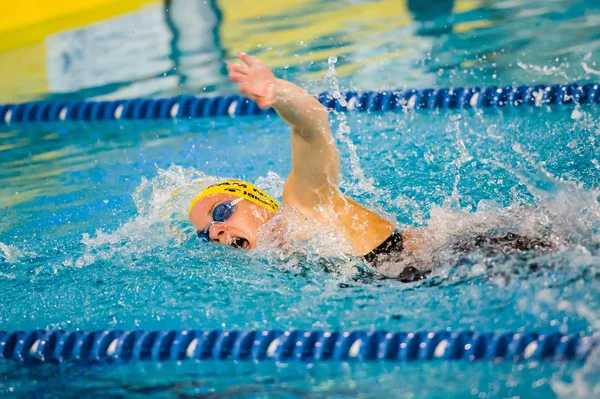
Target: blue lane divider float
(182, 107)
(110, 346)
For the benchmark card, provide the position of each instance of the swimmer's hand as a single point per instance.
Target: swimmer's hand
(255, 80)
(307, 117)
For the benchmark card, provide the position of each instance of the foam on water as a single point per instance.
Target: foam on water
(559, 211)
(10, 253)
(162, 208)
(569, 218)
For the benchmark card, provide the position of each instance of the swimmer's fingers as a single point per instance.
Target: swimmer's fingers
(247, 59)
(238, 68)
(237, 77)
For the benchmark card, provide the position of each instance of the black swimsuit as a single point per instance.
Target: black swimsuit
(490, 243)
(389, 250)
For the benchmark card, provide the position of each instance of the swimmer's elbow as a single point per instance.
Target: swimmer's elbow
(315, 134)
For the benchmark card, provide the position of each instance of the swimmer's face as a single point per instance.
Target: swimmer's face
(239, 230)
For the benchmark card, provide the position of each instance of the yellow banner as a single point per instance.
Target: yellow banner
(26, 22)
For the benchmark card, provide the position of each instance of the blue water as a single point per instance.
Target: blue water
(92, 237)
(85, 254)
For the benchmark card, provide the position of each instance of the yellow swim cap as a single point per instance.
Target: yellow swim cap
(240, 189)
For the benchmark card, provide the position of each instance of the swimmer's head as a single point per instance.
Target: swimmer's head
(231, 212)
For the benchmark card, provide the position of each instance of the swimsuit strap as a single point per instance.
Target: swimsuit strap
(393, 243)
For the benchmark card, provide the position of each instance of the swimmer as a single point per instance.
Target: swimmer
(233, 211)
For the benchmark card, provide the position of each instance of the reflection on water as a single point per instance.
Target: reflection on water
(181, 46)
(162, 48)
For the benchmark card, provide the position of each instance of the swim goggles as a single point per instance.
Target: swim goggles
(221, 214)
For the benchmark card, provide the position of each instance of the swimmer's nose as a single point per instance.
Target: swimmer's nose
(218, 233)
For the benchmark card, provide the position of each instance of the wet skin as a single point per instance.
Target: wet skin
(239, 230)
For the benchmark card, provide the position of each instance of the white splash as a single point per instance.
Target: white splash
(162, 205)
(585, 382)
(10, 253)
(363, 184)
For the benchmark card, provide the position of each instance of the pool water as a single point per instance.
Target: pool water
(105, 244)
(93, 236)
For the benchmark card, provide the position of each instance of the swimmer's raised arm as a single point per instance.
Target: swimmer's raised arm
(315, 159)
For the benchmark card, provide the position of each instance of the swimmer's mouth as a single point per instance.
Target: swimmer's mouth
(240, 243)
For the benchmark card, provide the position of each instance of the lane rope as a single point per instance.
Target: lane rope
(116, 346)
(183, 107)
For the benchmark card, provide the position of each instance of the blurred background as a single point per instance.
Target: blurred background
(127, 48)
